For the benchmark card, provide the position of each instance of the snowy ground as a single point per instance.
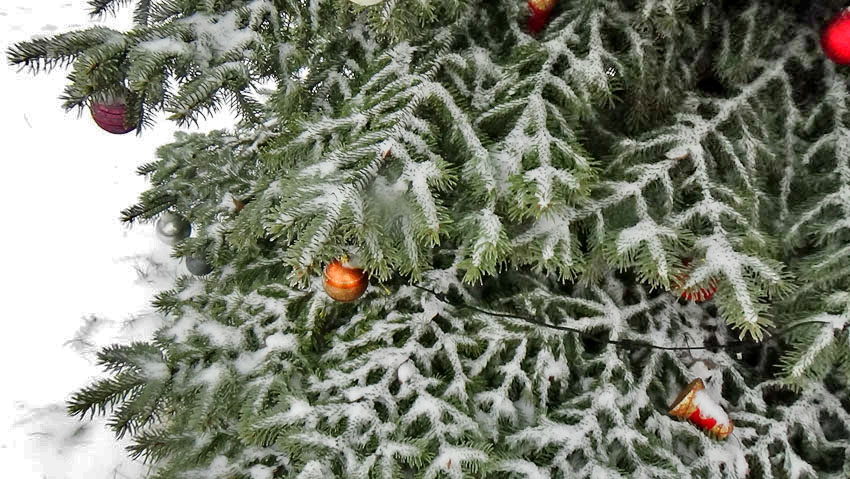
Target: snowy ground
(73, 278)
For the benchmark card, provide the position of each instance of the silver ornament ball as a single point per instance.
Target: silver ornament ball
(172, 228)
(198, 266)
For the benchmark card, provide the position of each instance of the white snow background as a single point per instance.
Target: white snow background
(72, 277)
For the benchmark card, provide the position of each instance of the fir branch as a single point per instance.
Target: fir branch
(142, 12)
(59, 50)
(104, 394)
(628, 344)
(98, 8)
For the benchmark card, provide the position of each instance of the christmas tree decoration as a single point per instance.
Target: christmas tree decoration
(172, 228)
(198, 265)
(835, 38)
(344, 282)
(520, 203)
(697, 294)
(695, 405)
(539, 11)
(112, 116)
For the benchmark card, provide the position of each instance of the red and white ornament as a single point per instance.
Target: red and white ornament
(539, 13)
(835, 38)
(111, 115)
(695, 405)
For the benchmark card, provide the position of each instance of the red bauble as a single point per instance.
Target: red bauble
(700, 294)
(695, 294)
(540, 10)
(835, 38)
(111, 116)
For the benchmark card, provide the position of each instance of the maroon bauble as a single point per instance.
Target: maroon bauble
(111, 116)
(835, 38)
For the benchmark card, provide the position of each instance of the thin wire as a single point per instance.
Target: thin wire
(621, 343)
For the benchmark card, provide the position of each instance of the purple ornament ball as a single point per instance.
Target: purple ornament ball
(111, 116)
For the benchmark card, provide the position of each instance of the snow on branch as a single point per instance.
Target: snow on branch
(380, 162)
(820, 342)
(410, 382)
(175, 56)
(826, 213)
(706, 143)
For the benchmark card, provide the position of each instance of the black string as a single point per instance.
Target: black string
(620, 343)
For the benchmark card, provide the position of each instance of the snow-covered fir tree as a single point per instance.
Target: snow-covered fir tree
(549, 220)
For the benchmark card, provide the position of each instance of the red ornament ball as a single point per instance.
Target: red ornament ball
(700, 294)
(835, 39)
(539, 15)
(696, 293)
(111, 116)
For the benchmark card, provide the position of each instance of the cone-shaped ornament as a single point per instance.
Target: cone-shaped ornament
(696, 406)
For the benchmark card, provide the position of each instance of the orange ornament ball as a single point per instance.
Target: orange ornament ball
(343, 282)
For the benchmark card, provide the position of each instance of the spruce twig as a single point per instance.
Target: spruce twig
(620, 343)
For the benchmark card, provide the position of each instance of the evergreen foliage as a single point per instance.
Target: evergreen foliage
(582, 178)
